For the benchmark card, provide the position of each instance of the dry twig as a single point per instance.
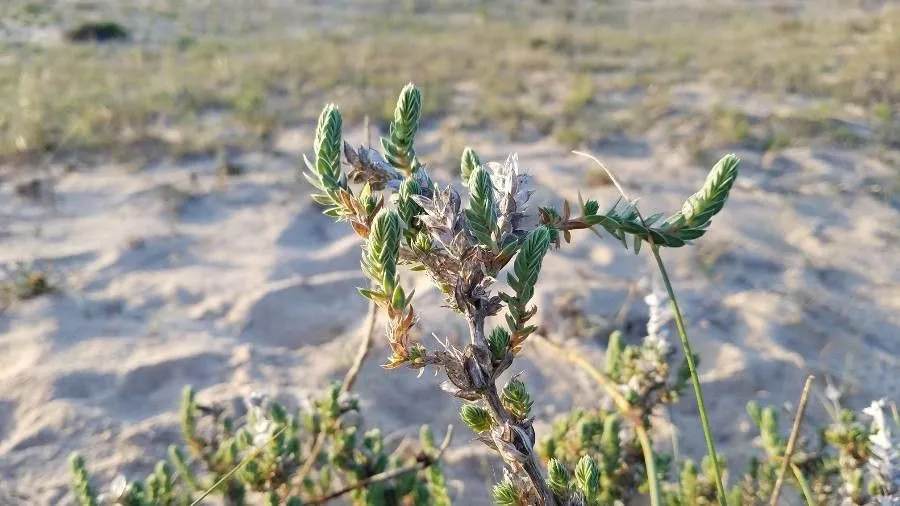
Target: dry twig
(795, 430)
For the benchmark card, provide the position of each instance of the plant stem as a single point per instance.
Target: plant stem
(532, 467)
(624, 408)
(792, 441)
(695, 379)
(476, 331)
(804, 485)
(533, 470)
(501, 416)
(364, 348)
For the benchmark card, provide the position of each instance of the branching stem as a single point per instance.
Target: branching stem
(679, 322)
(501, 416)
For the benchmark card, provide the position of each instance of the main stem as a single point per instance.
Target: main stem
(695, 379)
(499, 414)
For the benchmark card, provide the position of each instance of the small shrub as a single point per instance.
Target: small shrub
(270, 456)
(570, 136)
(226, 167)
(33, 189)
(463, 250)
(98, 31)
(579, 96)
(24, 281)
(731, 126)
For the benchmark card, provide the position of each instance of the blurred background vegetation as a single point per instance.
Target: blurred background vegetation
(184, 77)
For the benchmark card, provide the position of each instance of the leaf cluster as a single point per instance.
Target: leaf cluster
(258, 458)
(463, 247)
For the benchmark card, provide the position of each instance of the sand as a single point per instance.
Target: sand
(168, 279)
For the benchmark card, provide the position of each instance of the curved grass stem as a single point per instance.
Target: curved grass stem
(624, 408)
(695, 379)
(679, 321)
(804, 485)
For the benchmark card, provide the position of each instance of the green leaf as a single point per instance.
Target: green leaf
(327, 142)
(398, 148)
(369, 294)
(700, 207)
(278, 414)
(504, 494)
(327, 145)
(184, 471)
(614, 351)
(510, 249)
(482, 212)
(437, 483)
(398, 299)
(368, 199)
(423, 242)
(558, 477)
(679, 229)
(325, 173)
(476, 418)
(468, 163)
(382, 250)
(522, 280)
(610, 442)
(498, 342)
(322, 200)
(516, 399)
(527, 266)
(188, 419)
(754, 412)
(85, 493)
(408, 208)
(587, 478)
(688, 479)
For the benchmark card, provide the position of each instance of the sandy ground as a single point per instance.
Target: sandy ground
(170, 276)
(247, 287)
